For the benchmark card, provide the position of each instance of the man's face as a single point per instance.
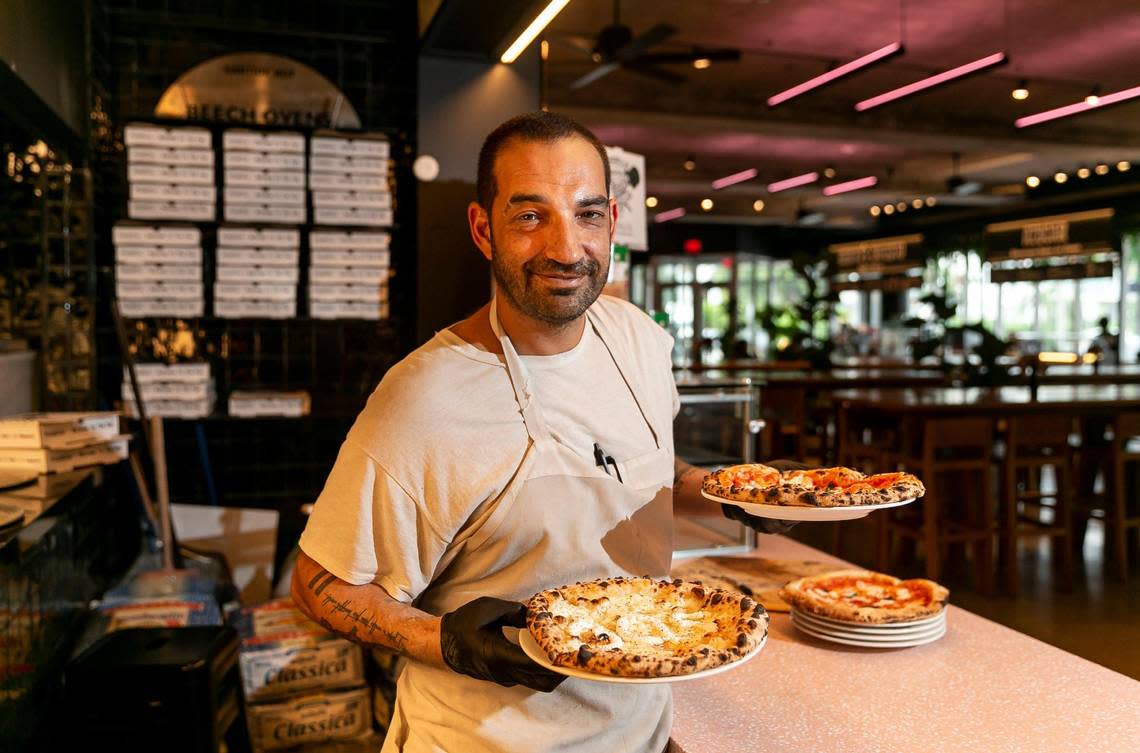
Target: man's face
(549, 230)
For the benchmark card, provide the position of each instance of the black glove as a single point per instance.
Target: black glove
(473, 644)
(765, 525)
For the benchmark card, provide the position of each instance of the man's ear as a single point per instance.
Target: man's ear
(480, 225)
(613, 219)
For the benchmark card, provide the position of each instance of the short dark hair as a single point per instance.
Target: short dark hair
(532, 126)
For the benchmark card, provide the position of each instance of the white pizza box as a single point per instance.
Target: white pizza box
(349, 240)
(370, 199)
(170, 390)
(171, 210)
(331, 163)
(348, 310)
(227, 273)
(165, 272)
(355, 259)
(254, 291)
(148, 134)
(186, 373)
(284, 664)
(358, 146)
(355, 181)
(47, 460)
(146, 307)
(364, 293)
(264, 178)
(237, 139)
(172, 192)
(265, 213)
(147, 255)
(259, 257)
(352, 216)
(265, 160)
(157, 289)
(338, 274)
(57, 431)
(171, 408)
(255, 309)
(272, 617)
(250, 404)
(157, 155)
(145, 172)
(253, 237)
(157, 235)
(308, 719)
(255, 195)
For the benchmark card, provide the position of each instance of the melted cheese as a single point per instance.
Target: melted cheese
(637, 622)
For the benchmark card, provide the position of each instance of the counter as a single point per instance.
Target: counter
(982, 687)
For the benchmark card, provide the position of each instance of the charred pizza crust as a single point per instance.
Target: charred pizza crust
(864, 596)
(642, 627)
(823, 487)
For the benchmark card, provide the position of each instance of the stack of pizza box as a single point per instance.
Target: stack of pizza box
(257, 272)
(170, 173)
(351, 180)
(180, 390)
(60, 442)
(348, 274)
(158, 270)
(264, 176)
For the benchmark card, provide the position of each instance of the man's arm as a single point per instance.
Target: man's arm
(365, 614)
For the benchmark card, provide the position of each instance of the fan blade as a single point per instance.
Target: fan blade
(602, 70)
(639, 45)
(575, 42)
(653, 71)
(688, 57)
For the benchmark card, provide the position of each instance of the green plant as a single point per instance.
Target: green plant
(800, 332)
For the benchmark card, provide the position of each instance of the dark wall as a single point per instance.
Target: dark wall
(42, 41)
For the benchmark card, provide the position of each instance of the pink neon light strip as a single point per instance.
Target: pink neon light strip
(732, 180)
(1076, 109)
(905, 91)
(851, 185)
(799, 180)
(872, 57)
(670, 214)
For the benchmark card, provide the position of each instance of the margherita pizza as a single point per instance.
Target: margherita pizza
(641, 627)
(866, 597)
(822, 487)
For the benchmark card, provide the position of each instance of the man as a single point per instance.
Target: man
(525, 447)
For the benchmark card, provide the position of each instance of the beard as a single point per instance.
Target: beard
(557, 307)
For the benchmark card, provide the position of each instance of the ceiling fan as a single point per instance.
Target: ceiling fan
(617, 47)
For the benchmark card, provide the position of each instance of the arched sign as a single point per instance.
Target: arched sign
(257, 88)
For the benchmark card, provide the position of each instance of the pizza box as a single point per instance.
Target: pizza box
(265, 160)
(188, 373)
(46, 460)
(146, 255)
(265, 213)
(249, 403)
(254, 291)
(361, 293)
(370, 199)
(58, 431)
(365, 275)
(236, 139)
(264, 178)
(171, 210)
(350, 147)
(157, 235)
(173, 192)
(257, 195)
(170, 156)
(227, 273)
(330, 163)
(255, 309)
(355, 181)
(259, 237)
(348, 310)
(168, 272)
(357, 259)
(311, 718)
(352, 216)
(140, 308)
(170, 390)
(159, 290)
(185, 610)
(171, 408)
(285, 664)
(348, 240)
(147, 134)
(260, 257)
(143, 172)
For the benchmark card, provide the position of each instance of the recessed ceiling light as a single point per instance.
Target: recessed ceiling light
(707, 204)
(1060, 177)
(758, 205)
(829, 172)
(875, 211)
(889, 209)
(1123, 165)
(917, 203)
(901, 206)
(1083, 172)
(1021, 92)
(931, 201)
(650, 201)
(1102, 169)
(701, 63)
(1093, 98)
(690, 163)
(1033, 181)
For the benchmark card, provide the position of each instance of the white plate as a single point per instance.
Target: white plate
(866, 643)
(531, 648)
(877, 639)
(795, 512)
(855, 631)
(925, 622)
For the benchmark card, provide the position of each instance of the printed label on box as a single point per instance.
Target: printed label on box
(158, 236)
(142, 172)
(347, 310)
(265, 160)
(265, 178)
(171, 408)
(58, 431)
(172, 372)
(237, 140)
(252, 195)
(352, 216)
(228, 273)
(328, 163)
(254, 291)
(370, 199)
(348, 240)
(255, 309)
(264, 213)
(172, 156)
(140, 308)
(43, 460)
(145, 134)
(159, 272)
(355, 181)
(152, 391)
(310, 719)
(365, 275)
(259, 257)
(148, 255)
(168, 192)
(252, 237)
(351, 147)
(295, 664)
(371, 259)
(159, 290)
(170, 210)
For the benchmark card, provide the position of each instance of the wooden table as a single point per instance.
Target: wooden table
(982, 687)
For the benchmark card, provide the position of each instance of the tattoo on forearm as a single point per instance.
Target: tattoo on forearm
(377, 634)
(321, 581)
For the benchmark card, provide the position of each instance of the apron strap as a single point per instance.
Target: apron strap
(625, 378)
(520, 380)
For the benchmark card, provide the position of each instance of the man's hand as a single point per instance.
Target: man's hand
(473, 644)
(756, 523)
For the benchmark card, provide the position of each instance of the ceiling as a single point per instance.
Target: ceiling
(719, 115)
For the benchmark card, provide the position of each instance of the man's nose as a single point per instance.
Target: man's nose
(562, 243)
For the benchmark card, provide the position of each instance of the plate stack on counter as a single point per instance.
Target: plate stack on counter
(170, 173)
(180, 390)
(158, 270)
(257, 273)
(348, 274)
(350, 180)
(264, 177)
(889, 635)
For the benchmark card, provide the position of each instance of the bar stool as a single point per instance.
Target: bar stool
(948, 449)
(1121, 504)
(783, 410)
(1034, 443)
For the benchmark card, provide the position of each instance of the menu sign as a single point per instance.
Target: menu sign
(895, 284)
(1063, 235)
(1054, 272)
(880, 264)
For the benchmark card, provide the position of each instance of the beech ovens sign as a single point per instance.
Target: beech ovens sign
(257, 88)
(890, 264)
(1062, 236)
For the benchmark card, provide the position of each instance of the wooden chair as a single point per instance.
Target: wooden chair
(783, 410)
(1121, 501)
(1034, 443)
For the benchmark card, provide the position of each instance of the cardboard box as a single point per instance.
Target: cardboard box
(249, 404)
(146, 255)
(172, 408)
(369, 199)
(237, 256)
(350, 147)
(140, 308)
(362, 293)
(171, 192)
(171, 210)
(265, 213)
(170, 156)
(227, 273)
(272, 617)
(255, 195)
(44, 460)
(363, 275)
(264, 178)
(259, 237)
(148, 134)
(354, 181)
(188, 373)
(329, 163)
(236, 139)
(254, 291)
(159, 290)
(58, 431)
(286, 664)
(347, 310)
(182, 611)
(157, 235)
(349, 240)
(153, 391)
(167, 272)
(314, 718)
(352, 216)
(255, 309)
(143, 172)
(357, 259)
(264, 160)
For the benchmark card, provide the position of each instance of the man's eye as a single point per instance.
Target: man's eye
(593, 214)
(528, 216)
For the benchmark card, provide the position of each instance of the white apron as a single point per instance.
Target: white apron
(561, 519)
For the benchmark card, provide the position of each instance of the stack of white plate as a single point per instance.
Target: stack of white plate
(887, 635)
